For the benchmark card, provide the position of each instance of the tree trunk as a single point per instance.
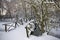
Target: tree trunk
(42, 28)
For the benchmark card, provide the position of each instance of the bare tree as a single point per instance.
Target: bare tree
(40, 13)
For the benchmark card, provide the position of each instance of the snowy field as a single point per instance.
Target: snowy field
(19, 33)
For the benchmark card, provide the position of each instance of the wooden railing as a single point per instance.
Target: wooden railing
(7, 28)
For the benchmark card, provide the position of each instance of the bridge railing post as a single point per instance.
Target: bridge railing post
(5, 25)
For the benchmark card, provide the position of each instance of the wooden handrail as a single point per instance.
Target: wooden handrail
(6, 29)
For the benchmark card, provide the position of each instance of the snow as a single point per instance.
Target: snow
(44, 37)
(19, 33)
(55, 32)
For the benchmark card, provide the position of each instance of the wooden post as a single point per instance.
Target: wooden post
(21, 22)
(27, 32)
(5, 27)
(15, 24)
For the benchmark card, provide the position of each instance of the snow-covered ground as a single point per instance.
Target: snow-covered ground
(55, 32)
(20, 34)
